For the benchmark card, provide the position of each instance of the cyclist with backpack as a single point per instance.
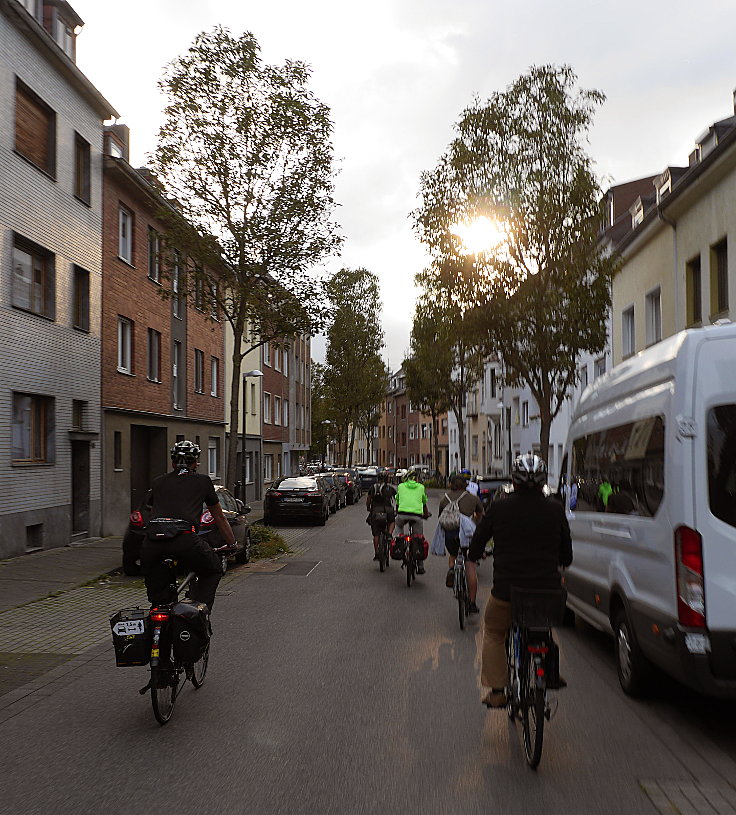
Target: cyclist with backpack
(458, 501)
(381, 504)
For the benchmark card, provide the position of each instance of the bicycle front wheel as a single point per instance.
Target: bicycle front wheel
(532, 715)
(164, 685)
(199, 668)
(409, 571)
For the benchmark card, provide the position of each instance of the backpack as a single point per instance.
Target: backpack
(450, 516)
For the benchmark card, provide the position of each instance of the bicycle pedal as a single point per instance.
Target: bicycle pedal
(551, 709)
(145, 690)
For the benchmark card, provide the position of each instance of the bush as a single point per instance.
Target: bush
(267, 543)
(433, 484)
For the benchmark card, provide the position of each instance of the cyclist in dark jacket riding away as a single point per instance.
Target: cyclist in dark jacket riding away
(381, 499)
(531, 541)
(179, 495)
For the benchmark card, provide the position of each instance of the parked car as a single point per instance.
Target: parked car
(233, 509)
(338, 488)
(487, 486)
(353, 490)
(298, 497)
(367, 478)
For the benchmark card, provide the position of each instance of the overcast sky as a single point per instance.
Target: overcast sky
(398, 73)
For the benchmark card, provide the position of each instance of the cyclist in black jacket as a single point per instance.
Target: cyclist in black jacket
(179, 495)
(531, 541)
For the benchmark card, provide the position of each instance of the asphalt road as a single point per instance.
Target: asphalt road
(333, 688)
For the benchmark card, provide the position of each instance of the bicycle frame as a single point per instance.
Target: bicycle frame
(461, 591)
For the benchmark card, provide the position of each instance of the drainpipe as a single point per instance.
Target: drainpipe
(667, 220)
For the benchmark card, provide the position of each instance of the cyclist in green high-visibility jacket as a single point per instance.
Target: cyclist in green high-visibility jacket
(411, 508)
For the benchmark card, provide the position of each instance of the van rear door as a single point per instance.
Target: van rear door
(714, 468)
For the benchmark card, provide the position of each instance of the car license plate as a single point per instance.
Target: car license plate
(293, 500)
(126, 628)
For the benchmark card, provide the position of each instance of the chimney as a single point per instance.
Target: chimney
(117, 141)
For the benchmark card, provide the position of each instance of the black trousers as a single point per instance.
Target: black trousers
(196, 555)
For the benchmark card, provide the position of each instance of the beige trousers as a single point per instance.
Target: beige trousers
(496, 622)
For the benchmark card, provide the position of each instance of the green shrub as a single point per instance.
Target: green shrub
(267, 543)
(433, 484)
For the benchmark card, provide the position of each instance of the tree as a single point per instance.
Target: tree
(444, 363)
(356, 375)
(540, 296)
(245, 152)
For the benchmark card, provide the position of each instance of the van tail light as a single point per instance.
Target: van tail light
(159, 615)
(314, 492)
(136, 518)
(690, 583)
(206, 519)
(274, 494)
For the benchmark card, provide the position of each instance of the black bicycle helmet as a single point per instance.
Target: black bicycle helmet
(184, 453)
(529, 471)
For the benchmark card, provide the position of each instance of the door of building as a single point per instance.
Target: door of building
(80, 486)
(148, 458)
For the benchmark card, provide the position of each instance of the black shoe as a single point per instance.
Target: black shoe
(473, 609)
(558, 685)
(375, 557)
(450, 579)
(420, 568)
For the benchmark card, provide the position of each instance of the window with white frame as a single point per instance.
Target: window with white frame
(268, 467)
(154, 355)
(525, 414)
(125, 345)
(654, 316)
(198, 371)
(176, 298)
(214, 376)
(411, 431)
(267, 353)
(583, 375)
(628, 339)
(213, 456)
(599, 367)
(285, 362)
(176, 375)
(125, 234)
(267, 408)
(285, 414)
(249, 468)
(277, 352)
(252, 398)
(277, 410)
(154, 248)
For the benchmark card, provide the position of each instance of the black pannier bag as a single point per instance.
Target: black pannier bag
(190, 631)
(167, 528)
(132, 634)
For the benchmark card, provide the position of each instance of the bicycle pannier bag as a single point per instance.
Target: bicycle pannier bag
(421, 547)
(167, 528)
(450, 516)
(131, 635)
(190, 631)
(397, 548)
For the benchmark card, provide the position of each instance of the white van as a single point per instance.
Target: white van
(651, 469)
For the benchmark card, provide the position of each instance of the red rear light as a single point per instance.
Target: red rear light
(158, 615)
(207, 518)
(274, 494)
(690, 583)
(314, 492)
(136, 519)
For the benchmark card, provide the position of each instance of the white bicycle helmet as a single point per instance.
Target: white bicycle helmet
(184, 453)
(529, 471)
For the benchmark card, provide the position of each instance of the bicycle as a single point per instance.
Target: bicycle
(167, 669)
(460, 586)
(383, 549)
(533, 662)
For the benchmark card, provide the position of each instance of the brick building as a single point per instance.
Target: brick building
(162, 359)
(50, 280)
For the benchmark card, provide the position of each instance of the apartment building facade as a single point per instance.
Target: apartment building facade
(162, 356)
(50, 280)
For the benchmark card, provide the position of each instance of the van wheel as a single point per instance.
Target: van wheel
(632, 666)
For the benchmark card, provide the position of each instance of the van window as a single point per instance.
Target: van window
(722, 462)
(621, 469)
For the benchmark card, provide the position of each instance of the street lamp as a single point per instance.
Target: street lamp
(248, 374)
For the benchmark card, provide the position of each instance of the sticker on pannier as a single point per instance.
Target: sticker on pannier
(131, 636)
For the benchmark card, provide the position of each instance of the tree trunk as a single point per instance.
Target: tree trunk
(231, 475)
(435, 442)
(458, 411)
(545, 421)
(352, 444)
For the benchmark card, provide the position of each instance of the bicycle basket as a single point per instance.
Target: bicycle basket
(131, 635)
(537, 608)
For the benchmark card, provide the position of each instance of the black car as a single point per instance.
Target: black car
(367, 477)
(298, 497)
(352, 485)
(487, 486)
(233, 509)
(337, 491)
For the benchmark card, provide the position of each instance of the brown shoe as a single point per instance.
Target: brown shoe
(496, 697)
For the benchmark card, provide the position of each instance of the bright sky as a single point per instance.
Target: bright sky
(398, 73)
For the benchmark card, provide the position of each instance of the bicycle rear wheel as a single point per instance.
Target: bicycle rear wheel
(532, 714)
(199, 668)
(462, 605)
(164, 687)
(409, 570)
(382, 553)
